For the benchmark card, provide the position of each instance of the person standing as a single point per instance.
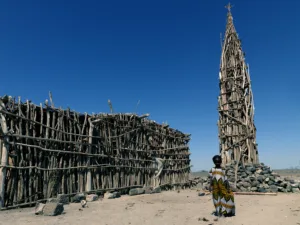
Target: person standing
(223, 198)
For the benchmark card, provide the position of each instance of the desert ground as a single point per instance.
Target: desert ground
(169, 208)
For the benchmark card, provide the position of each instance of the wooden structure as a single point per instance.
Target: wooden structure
(237, 132)
(46, 151)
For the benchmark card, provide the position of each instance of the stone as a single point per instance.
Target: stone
(148, 190)
(64, 199)
(52, 200)
(230, 174)
(278, 180)
(280, 189)
(246, 184)
(295, 185)
(231, 179)
(39, 208)
(272, 178)
(248, 172)
(233, 189)
(283, 184)
(273, 188)
(271, 182)
(201, 194)
(260, 179)
(254, 183)
(243, 189)
(156, 190)
(136, 191)
(247, 179)
(251, 169)
(244, 175)
(295, 190)
(92, 198)
(253, 189)
(261, 190)
(113, 195)
(78, 197)
(258, 171)
(53, 209)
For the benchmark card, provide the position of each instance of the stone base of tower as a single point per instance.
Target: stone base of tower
(259, 178)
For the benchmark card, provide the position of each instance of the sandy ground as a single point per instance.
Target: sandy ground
(167, 208)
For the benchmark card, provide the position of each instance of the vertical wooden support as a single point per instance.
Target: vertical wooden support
(88, 186)
(4, 156)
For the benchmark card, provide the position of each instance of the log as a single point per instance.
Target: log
(247, 193)
(4, 156)
(89, 175)
(255, 193)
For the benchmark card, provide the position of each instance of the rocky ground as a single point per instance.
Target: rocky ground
(166, 208)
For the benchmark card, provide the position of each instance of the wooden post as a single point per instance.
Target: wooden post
(88, 186)
(4, 156)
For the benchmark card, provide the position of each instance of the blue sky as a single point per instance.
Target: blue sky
(165, 54)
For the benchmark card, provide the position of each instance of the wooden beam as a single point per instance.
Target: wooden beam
(4, 156)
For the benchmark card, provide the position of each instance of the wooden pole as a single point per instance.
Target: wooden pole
(88, 186)
(4, 156)
(255, 193)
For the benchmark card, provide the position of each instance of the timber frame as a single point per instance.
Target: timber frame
(237, 132)
(47, 151)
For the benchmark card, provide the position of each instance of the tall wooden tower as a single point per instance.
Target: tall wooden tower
(237, 132)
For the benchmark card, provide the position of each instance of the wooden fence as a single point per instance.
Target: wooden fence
(46, 151)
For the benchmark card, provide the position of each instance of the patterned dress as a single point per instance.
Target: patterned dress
(223, 197)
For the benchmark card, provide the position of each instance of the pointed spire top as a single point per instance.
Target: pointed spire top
(229, 26)
(229, 6)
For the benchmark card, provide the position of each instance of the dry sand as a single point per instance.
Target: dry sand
(167, 208)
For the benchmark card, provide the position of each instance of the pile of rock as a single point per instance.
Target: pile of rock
(259, 178)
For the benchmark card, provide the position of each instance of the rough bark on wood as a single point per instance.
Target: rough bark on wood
(60, 151)
(236, 107)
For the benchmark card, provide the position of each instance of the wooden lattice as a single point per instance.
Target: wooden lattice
(47, 151)
(237, 132)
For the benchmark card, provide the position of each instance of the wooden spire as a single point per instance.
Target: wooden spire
(228, 6)
(237, 132)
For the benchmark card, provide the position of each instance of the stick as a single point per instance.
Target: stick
(4, 157)
(51, 100)
(255, 193)
(88, 186)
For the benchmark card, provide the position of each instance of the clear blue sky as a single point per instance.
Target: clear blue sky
(165, 54)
